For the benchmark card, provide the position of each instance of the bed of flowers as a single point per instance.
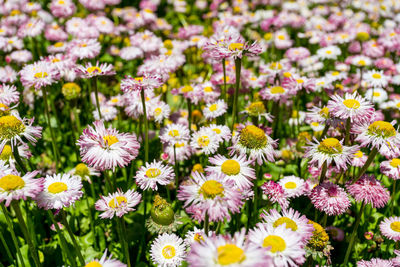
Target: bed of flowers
(199, 133)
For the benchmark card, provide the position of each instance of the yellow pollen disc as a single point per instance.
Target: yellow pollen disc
(253, 137)
(93, 69)
(290, 224)
(198, 237)
(168, 252)
(315, 124)
(276, 243)
(359, 154)
(211, 189)
(187, 89)
(300, 81)
(376, 76)
(213, 107)
(290, 185)
(57, 187)
(217, 131)
(117, 201)
(382, 129)
(6, 153)
(59, 44)
(236, 46)
(324, 111)
(54, 60)
(281, 37)
(256, 108)
(153, 173)
(328, 52)
(11, 182)
(10, 126)
(277, 90)
(330, 146)
(230, 254)
(179, 145)
(197, 168)
(203, 141)
(208, 89)
(195, 39)
(61, 2)
(157, 111)
(139, 79)
(395, 163)
(351, 103)
(362, 62)
(376, 94)
(395, 226)
(110, 139)
(335, 73)
(287, 74)
(40, 75)
(93, 264)
(398, 105)
(230, 167)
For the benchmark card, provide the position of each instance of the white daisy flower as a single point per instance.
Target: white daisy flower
(174, 133)
(193, 236)
(205, 140)
(108, 113)
(329, 52)
(316, 126)
(214, 110)
(60, 190)
(150, 175)
(105, 262)
(293, 186)
(351, 106)
(168, 250)
(160, 111)
(118, 203)
(375, 78)
(84, 172)
(222, 132)
(377, 95)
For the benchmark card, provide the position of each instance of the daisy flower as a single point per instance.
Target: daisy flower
(160, 111)
(205, 140)
(13, 129)
(168, 250)
(38, 75)
(104, 261)
(329, 52)
(293, 186)
(174, 133)
(150, 175)
(84, 48)
(211, 194)
(390, 228)
(118, 203)
(330, 150)
(352, 106)
(275, 93)
(292, 219)
(8, 94)
(193, 236)
(145, 82)
(89, 70)
(237, 169)
(84, 172)
(108, 112)
(60, 190)
(275, 193)
(370, 191)
(221, 131)
(391, 168)
(375, 78)
(225, 250)
(377, 95)
(105, 149)
(255, 142)
(375, 262)
(62, 8)
(214, 110)
(361, 61)
(359, 159)
(380, 135)
(257, 109)
(13, 186)
(330, 198)
(281, 243)
(182, 150)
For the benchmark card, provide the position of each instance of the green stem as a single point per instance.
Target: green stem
(393, 197)
(238, 67)
(146, 128)
(71, 234)
(347, 136)
(326, 128)
(92, 227)
(206, 223)
(353, 235)
(63, 242)
(364, 168)
(126, 244)
(32, 248)
(13, 236)
(176, 169)
(96, 92)
(323, 172)
(19, 160)
(8, 252)
(53, 138)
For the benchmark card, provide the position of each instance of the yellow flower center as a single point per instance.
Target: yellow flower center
(230, 167)
(328, 52)
(203, 141)
(93, 264)
(208, 89)
(277, 90)
(213, 107)
(15, 12)
(179, 144)
(319, 238)
(93, 69)
(256, 108)
(330, 146)
(168, 252)
(382, 129)
(198, 237)
(359, 154)
(281, 37)
(173, 133)
(253, 137)
(39, 75)
(236, 46)
(300, 81)
(290, 185)
(289, 223)
(157, 111)
(376, 94)
(187, 89)
(335, 73)
(6, 153)
(376, 76)
(139, 79)
(395, 226)
(59, 44)
(82, 170)
(57, 187)
(230, 254)
(351, 103)
(324, 112)
(11, 182)
(315, 124)
(216, 130)
(211, 189)
(110, 139)
(276, 243)
(153, 172)
(395, 162)
(197, 168)
(117, 201)
(10, 127)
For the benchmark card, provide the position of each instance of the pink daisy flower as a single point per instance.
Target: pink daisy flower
(89, 70)
(104, 260)
(330, 198)
(118, 203)
(84, 48)
(38, 75)
(390, 228)
(391, 168)
(275, 193)
(148, 176)
(146, 82)
(8, 94)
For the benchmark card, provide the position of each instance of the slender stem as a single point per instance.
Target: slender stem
(347, 136)
(146, 128)
(353, 235)
(92, 227)
(126, 244)
(189, 104)
(364, 168)
(223, 93)
(13, 236)
(238, 67)
(32, 248)
(323, 172)
(96, 92)
(71, 234)
(326, 128)
(77, 120)
(206, 223)
(393, 197)
(8, 252)
(18, 160)
(63, 242)
(324, 220)
(53, 138)
(176, 169)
